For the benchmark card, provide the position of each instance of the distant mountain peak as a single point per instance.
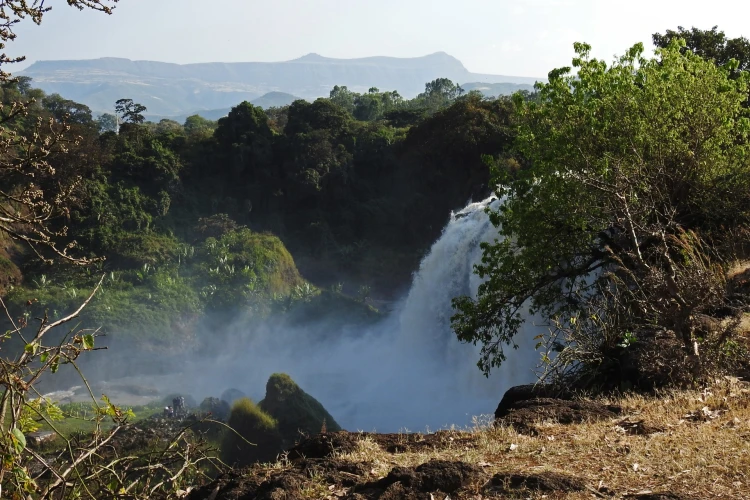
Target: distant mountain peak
(169, 89)
(312, 56)
(442, 54)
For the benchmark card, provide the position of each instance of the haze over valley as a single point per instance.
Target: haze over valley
(210, 89)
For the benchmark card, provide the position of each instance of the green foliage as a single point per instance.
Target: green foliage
(67, 111)
(130, 111)
(631, 165)
(256, 437)
(151, 313)
(180, 211)
(198, 127)
(710, 44)
(243, 266)
(106, 122)
(295, 411)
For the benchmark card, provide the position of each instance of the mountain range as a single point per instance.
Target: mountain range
(177, 90)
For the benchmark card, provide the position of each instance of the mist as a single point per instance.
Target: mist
(406, 372)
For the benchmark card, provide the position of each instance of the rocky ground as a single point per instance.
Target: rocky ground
(679, 445)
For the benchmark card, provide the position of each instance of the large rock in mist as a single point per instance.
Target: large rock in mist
(273, 425)
(295, 411)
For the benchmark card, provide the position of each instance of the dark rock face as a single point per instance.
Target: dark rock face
(436, 475)
(546, 482)
(324, 445)
(525, 413)
(525, 392)
(218, 408)
(523, 405)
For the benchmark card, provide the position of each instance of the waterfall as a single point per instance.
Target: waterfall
(449, 389)
(407, 372)
(410, 372)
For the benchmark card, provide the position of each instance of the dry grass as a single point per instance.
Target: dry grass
(697, 444)
(737, 268)
(702, 449)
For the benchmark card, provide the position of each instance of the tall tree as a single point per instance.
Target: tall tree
(343, 97)
(129, 111)
(637, 171)
(65, 110)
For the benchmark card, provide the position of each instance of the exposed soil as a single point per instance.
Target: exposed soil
(347, 480)
(524, 414)
(325, 445)
(546, 482)
(433, 476)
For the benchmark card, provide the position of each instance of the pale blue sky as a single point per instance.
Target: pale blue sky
(521, 37)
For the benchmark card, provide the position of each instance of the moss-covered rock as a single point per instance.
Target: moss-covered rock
(253, 426)
(244, 267)
(295, 411)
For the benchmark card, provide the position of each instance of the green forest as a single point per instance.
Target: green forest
(205, 216)
(624, 228)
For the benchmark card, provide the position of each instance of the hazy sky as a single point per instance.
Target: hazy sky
(519, 37)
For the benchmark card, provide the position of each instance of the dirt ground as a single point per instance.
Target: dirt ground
(679, 445)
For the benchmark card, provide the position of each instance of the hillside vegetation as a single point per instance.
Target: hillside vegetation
(202, 219)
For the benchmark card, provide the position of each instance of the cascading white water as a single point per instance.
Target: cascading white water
(455, 387)
(406, 372)
(410, 372)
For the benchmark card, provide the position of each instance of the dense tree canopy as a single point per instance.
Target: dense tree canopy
(634, 167)
(332, 186)
(709, 44)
